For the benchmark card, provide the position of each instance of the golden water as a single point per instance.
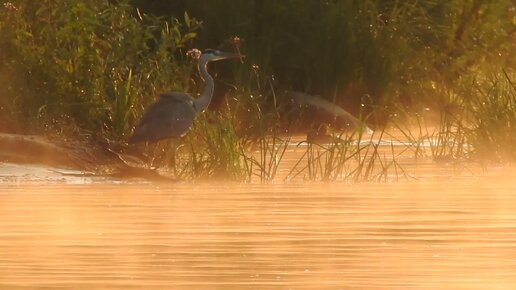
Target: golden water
(434, 233)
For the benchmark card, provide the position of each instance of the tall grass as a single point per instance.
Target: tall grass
(493, 111)
(351, 157)
(213, 150)
(476, 122)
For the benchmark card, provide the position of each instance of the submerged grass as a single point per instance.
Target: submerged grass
(348, 158)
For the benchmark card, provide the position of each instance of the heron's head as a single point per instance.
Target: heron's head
(214, 55)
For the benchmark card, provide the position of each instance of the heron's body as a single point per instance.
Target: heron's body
(168, 117)
(172, 114)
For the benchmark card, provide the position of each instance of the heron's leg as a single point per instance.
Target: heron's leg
(171, 155)
(155, 155)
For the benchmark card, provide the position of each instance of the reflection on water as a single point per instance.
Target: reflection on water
(442, 234)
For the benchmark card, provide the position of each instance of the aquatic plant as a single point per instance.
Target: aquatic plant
(493, 118)
(476, 122)
(348, 157)
(212, 150)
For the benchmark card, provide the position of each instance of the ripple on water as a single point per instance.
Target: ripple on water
(436, 234)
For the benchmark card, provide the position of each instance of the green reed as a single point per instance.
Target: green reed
(349, 157)
(493, 118)
(476, 123)
(213, 150)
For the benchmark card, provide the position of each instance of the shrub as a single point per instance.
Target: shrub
(89, 64)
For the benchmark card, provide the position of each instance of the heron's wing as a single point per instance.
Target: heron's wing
(171, 115)
(178, 96)
(168, 100)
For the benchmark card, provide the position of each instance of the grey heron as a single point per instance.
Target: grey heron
(172, 114)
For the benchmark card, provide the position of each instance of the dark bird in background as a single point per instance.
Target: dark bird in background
(323, 113)
(172, 114)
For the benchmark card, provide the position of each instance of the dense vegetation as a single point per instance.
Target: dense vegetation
(87, 64)
(86, 69)
(391, 50)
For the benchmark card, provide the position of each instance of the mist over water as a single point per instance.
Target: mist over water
(435, 233)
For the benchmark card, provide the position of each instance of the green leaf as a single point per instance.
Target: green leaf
(187, 20)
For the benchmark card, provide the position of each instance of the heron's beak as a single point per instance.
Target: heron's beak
(226, 55)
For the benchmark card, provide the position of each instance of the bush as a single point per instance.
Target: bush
(90, 64)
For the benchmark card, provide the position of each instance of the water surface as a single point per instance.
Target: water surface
(433, 233)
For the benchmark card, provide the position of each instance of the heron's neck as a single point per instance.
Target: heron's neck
(203, 101)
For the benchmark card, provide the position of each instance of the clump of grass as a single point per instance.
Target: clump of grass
(271, 145)
(272, 150)
(476, 122)
(347, 158)
(213, 150)
(493, 110)
(445, 141)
